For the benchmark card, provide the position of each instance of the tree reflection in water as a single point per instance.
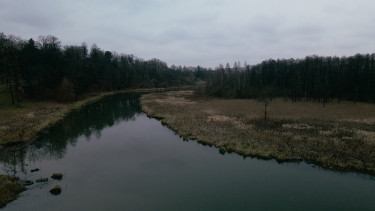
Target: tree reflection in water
(90, 120)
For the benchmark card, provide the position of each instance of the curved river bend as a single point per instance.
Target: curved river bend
(114, 157)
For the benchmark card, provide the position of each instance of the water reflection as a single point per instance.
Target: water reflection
(89, 121)
(142, 165)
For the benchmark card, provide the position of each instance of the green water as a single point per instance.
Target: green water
(114, 157)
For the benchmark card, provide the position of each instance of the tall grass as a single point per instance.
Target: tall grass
(9, 189)
(338, 136)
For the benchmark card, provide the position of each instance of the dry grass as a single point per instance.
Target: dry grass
(339, 136)
(19, 124)
(9, 189)
(24, 123)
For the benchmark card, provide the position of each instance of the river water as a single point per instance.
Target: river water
(113, 157)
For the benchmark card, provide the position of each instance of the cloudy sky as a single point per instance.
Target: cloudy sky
(200, 32)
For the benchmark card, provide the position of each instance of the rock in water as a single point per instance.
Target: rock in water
(57, 176)
(56, 190)
(26, 182)
(42, 180)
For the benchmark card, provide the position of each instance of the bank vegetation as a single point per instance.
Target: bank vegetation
(339, 136)
(9, 189)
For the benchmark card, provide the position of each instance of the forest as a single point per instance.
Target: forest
(44, 69)
(313, 78)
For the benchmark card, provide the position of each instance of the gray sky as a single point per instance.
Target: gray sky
(200, 32)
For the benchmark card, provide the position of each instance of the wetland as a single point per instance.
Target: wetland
(114, 157)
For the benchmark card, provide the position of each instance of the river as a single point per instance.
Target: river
(113, 157)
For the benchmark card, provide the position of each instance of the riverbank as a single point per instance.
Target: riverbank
(339, 136)
(9, 189)
(24, 123)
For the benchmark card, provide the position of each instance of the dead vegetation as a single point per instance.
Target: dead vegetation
(339, 136)
(19, 124)
(22, 123)
(9, 189)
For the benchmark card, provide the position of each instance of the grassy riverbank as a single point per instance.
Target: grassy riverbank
(339, 136)
(23, 123)
(9, 189)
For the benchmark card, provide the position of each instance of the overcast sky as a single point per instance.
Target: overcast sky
(200, 32)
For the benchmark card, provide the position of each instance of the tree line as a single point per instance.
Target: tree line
(44, 69)
(312, 78)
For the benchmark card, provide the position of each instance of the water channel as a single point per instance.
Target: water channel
(113, 157)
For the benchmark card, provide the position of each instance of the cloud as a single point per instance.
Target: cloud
(206, 32)
(30, 14)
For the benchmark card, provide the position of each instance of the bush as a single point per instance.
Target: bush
(66, 91)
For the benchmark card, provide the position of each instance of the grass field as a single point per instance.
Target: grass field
(338, 136)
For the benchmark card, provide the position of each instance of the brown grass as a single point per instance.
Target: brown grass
(9, 189)
(25, 122)
(339, 136)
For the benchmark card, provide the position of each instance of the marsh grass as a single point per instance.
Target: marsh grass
(22, 123)
(9, 189)
(338, 136)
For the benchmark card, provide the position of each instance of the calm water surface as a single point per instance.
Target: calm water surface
(114, 157)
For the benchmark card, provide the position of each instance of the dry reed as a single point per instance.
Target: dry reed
(338, 136)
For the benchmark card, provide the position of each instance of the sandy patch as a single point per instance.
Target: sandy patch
(219, 118)
(234, 121)
(30, 115)
(297, 126)
(174, 101)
